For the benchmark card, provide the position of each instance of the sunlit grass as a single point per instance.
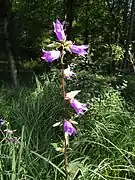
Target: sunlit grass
(103, 148)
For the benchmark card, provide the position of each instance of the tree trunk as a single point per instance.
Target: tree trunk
(69, 17)
(114, 23)
(10, 54)
(86, 31)
(125, 17)
(130, 32)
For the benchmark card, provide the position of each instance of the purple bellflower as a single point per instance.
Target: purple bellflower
(50, 56)
(80, 108)
(1, 122)
(80, 50)
(68, 73)
(59, 31)
(68, 128)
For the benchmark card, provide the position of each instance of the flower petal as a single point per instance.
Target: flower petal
(80, 108)
(68, 128)
(72, 94)
(68, 73)
(80, 50)
(50, 56)
(59, 31)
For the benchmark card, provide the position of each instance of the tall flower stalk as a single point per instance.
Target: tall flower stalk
(50, 56)
(62, 74)
(64, 94)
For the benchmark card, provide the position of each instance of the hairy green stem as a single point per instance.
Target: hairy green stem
(63, 82)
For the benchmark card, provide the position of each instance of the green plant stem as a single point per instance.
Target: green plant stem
(64, 94)
(63, 82)
(65, 159)
(62, 77)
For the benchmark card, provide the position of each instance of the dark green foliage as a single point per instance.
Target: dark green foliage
(104, 25)
(104, 145)
(32, 24)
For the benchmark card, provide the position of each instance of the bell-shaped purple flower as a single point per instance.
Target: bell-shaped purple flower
(80, 50)
(50, 56)
(68, 73)
(1, 122)
(68, 128)
(59, 31)
(80, 108)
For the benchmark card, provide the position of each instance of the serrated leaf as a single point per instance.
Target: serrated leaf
(54, 45)
(57, 148)
(60, 149)
(55, 145)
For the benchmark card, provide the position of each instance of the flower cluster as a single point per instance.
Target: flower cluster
(50, 56)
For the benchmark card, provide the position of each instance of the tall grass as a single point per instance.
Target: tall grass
(104, 147)
(106, 139)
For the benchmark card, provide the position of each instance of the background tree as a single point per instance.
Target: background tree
(99, 23)
(5, 14)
